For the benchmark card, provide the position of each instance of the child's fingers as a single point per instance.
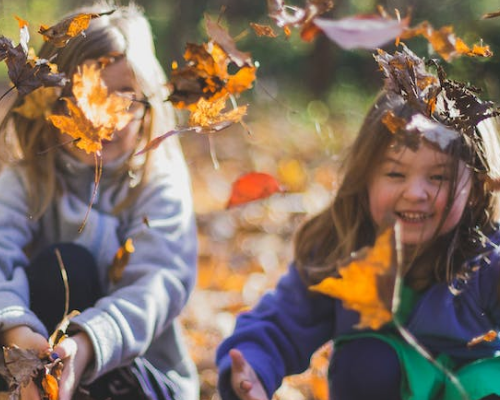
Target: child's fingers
(238, 361)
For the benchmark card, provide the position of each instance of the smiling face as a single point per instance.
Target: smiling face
(118, 78)
(413, 187)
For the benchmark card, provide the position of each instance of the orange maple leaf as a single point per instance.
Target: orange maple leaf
(206, 72)
(361, 283)
(445, 42)
(96, 114)
(60, 33)
(209, 117)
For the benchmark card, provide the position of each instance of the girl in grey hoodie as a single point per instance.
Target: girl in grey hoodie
(126, 342)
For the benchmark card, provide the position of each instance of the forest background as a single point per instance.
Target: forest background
(306, 106)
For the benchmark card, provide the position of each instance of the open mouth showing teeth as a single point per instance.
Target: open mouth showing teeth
(413, 216)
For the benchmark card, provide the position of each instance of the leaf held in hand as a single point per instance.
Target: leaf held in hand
(50, 387)
(366, 284)
(253, 186)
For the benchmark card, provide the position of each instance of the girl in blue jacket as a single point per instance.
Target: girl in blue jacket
(426, 157)
(126, 342)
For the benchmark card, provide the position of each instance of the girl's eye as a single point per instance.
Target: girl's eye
(394, 174)
(439, 177)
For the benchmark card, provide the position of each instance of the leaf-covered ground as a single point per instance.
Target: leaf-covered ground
(244, 250)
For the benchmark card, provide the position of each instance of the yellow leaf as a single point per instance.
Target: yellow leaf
(38, 103)
(120, 261)
(358, 286)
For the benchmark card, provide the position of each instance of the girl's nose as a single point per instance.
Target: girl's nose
(416, 190)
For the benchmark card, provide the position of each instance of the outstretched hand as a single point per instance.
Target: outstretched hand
(244, 380)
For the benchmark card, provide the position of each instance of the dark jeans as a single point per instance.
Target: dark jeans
(139, 381)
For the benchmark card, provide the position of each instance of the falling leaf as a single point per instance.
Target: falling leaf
(220, 36)
(206, 72)
(208, 115)
(253, 186)
(366, 283)
(96, 115)
(367, 32)
(491, 15)
(38, 103)
(263, 30)
(445, 42)
(489, 336)
(60, 33)
(120, 261)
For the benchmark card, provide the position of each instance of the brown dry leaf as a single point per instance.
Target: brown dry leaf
(22, 364)
(220, 36)
(96, 114)
(60, 33)
(120, 261)
(263, 30)
(359, 285)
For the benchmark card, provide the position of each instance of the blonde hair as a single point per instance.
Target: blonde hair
(346, 225)
(127, 32)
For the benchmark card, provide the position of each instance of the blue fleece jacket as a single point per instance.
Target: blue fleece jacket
(281, 333)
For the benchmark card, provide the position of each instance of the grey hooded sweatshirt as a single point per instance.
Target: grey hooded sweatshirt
(138, 314)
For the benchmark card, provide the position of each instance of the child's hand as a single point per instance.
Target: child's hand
(24, 338)
(244, 380)
(77, 353)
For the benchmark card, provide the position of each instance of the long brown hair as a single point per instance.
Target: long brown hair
(346, 225)
(127, 32)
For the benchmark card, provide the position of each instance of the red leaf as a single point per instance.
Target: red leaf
(253, 186)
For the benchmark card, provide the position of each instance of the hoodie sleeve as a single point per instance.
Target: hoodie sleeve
(279, 336)
(16, 231)
(157, 280)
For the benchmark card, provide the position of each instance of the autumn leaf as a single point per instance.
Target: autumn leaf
(21, 364)
(26, 71)
(220, 36)
(120, 261)
(489, 336)
(208, 115)
(206, 72)
(39, 102)
(96, 114)
(290, 16)
(252, 186)
(50, 387)
(445, 42)
(60, 33)
(362, 31)
(263, 30)
(366, 284)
